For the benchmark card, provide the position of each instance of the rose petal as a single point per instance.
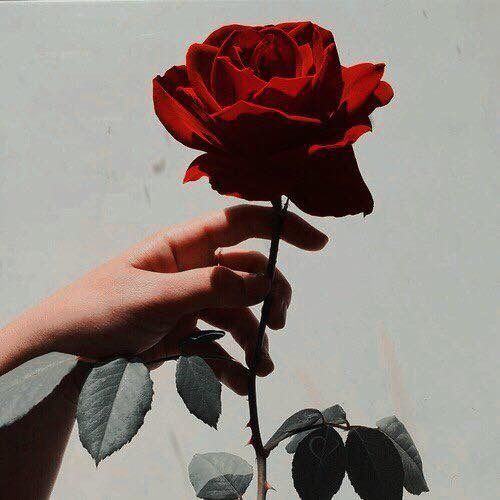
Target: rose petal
(255, 130)
(199, 60)
(288, 26)
(348, 137)
(231, 84)
(175, 77)
(381, 96)
(326, 184)
(180, 122)
(331, 185)
(217, 37)
(307, 59)
(188, 98)
(291, 95)
(303, 32)
(328, 85)
(321, 39)
(240, 177)
(244, 41)
(276, 55)
(383, 93)
(325, 35)
(360, 83)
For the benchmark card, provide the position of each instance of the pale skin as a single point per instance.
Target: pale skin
(144, 303)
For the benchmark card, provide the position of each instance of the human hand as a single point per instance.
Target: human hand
(148, 300)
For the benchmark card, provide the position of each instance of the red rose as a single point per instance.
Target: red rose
(275, 113)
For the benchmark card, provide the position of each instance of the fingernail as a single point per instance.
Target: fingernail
(323, 238)
(284, 310)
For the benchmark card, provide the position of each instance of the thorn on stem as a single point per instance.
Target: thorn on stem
(268, 487)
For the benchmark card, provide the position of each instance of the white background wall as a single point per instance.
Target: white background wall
(397, 315)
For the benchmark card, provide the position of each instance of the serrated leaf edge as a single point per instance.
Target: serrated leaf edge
(213, 425)
(100, 457)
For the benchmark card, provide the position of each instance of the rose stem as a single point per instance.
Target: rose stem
(260, 452)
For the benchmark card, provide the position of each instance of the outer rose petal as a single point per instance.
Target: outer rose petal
(331, 185)
(381, 96)
(199, 60)
(349, 137)
(324, 184)
(360, 83)
(180, 122)
(239, 177)
(174, 77)
(188, 98)
(383, 93)
(254, 130)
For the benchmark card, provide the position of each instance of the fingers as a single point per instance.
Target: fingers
(255, 262)
(243, 326)
(193, 243)
(229, 371)
(208, 287)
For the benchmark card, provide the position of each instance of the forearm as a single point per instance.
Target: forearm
(26, 337)
(33, 447)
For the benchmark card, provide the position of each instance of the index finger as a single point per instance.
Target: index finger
(193, 244)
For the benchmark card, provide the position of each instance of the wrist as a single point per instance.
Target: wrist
(26, 337)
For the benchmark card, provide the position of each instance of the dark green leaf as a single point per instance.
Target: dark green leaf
(113, 402)
(297, 422)
(414, 480)
(373, 465)
(333, 415)
(30, 383)
(219, 476)
(199, 388)
(204, 337)
(318, 466)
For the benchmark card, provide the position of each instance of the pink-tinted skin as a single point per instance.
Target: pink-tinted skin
(144, 303)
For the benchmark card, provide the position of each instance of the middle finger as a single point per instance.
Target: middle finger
(255, 262)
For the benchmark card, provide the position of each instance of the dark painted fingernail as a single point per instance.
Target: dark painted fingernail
(323, 238)
(284, 310)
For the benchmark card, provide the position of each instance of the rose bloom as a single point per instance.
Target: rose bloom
(276, 114)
